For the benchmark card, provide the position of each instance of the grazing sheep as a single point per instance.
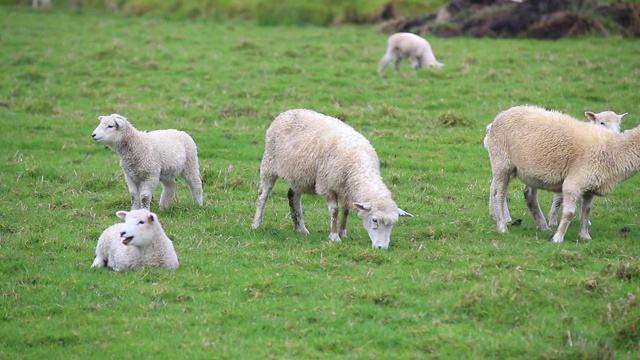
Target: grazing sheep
(408, 45)
(149, 158)
(37, 4)
(552, 151)
(138, 242)
(318, 154)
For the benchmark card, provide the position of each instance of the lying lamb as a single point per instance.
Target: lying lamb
(149, 158)
(138, 242)
(552, 151)
(408, 45)
(318, 154)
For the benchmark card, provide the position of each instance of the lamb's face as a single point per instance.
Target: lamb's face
(109, 129)
(379, 226)
(138, 229)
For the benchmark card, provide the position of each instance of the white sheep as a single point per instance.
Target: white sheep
(552, 151)
(138, 242)
(319, 154)
(407, 45)
(151, 157)
(607, 119)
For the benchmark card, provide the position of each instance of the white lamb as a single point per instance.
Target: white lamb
(552, 151)
(407, 45)
(138, 242)
(607, 119)
(319, 154)
(149, 158)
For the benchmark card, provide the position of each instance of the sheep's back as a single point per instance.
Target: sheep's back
(172, 149)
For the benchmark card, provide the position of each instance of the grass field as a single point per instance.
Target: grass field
(450, 285)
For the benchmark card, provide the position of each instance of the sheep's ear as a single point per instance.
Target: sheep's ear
(364, 206)
(119, 121)
(591, 116)
(152, 217)
(403, 213)
(100, 118)
(121, 214)
(622, 116)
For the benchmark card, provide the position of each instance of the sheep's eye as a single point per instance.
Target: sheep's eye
(140, 222)
(375, 221)
(110, 126)
(602, 123)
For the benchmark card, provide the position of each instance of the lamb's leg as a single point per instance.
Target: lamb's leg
(332, 202)
(99, 262)
(295, 205)
(499, 186)
(386, 59)
(415, 63)
(168, 191)
(133, 192)
(568, 210)
(555, 206)
(146, 193)
(396, 63)
(531, 196)
(343, 222)
(587, 201)
(191, 176)
(266, 185)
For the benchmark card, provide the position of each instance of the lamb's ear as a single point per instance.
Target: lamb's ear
(364, 206)
(591, 116)
(121, 214)
(152, 217)
(100, 118)
(622, 116)
(403, 213)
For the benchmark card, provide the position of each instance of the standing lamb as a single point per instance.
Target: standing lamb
(138, 242)
(607, 119)
(319, 154)
(552, 151)
(149, 158)
(408, 45)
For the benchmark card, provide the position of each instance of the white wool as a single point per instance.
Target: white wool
(408, 46)
(318, 154)
(552, 151)
(150, 158)
(138, 242)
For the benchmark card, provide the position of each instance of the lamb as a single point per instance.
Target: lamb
(138, 242)
(319, 154)
(552, 151)
(408, 45)
(149, 158)
(607, 119)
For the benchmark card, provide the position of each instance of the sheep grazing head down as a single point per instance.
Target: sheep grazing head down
(108, 130)
(379, 222)
(139, 227)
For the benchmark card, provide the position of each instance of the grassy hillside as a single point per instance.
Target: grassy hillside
(450, 285)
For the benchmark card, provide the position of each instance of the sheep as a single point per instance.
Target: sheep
(138, 242)
(149, 158)
(407, 45)
(319, 154)
(552, 151)
(37, 4)
(607, 119)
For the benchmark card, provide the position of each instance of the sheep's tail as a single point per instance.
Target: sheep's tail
(486, 137)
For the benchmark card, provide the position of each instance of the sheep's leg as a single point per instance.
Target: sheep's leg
(531, 196)
(585, 213)
(396, 63)
(191, 176)
(386, 59)
(133, 192)
(343, 222)
(295, 205)
(168, 191)
(499, 187)
(568, 210)
(332, 202)
(555, 207)
(506, 215)
(415, 64)
(266, 185)
(146, 193)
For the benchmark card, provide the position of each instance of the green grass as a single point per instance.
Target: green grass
(450, 285)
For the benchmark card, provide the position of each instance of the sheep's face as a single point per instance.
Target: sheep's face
(108, 132)
(608, 119)
(379, 222)
(138, 229)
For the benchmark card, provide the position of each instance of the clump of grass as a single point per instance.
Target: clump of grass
(452, 119)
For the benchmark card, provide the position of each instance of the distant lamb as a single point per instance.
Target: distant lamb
(149, 158)
(138, 242)
(319, 154)
(607, 119)
(411, 46)
(552, 151)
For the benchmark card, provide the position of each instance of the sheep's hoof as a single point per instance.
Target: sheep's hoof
(557, 239)
(334, 237)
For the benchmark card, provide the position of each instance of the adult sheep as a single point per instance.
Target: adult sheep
(151, 157)
(138, 242)
(319, 154)
(552, 151)
(407, 45)
(607, 119)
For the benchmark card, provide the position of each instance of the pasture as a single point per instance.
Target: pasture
(449, 286)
